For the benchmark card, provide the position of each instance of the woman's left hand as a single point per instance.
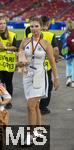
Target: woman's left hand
(56, 83)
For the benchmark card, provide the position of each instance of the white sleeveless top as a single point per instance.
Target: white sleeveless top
(35, 81)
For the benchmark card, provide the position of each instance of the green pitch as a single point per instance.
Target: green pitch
(21, 32)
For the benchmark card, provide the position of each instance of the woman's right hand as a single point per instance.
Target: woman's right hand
(22, 69)
(22, 58)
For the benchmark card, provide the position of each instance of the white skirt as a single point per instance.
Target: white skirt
(35, 84)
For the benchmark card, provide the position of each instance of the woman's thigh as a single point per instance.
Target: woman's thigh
(33, 102)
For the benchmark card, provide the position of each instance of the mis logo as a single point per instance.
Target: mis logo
(18, 134)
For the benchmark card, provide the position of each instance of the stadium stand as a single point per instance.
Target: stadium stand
(56, 8)
(52, 9)
(68, 14)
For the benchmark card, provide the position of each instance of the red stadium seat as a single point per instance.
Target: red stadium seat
(29, 7)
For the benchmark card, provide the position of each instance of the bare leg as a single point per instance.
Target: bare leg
(38, 113)
(32, 116)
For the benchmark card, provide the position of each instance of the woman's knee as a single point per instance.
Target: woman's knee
(31, 104)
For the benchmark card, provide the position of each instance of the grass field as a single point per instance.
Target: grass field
(20, 33)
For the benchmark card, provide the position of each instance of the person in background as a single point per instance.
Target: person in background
(68, 24)
(70, 54)
(7, 55)
(5, 98)
(35, 79)
(50, 37)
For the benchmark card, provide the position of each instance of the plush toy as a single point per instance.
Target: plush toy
(22, 62)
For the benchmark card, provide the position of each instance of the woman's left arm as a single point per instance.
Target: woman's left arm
(49, 51)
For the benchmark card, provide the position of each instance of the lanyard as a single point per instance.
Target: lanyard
(34, 48)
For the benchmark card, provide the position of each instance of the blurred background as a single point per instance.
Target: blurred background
(18, 13)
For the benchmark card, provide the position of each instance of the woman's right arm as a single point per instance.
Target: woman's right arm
(22, 60)
(22, 45)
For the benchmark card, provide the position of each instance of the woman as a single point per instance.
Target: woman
(7, 55)
(35, 79)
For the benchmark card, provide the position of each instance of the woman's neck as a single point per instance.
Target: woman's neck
(36, 37)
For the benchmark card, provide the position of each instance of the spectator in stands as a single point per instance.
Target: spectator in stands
(8, 58)
(68, 24)
(34, 80)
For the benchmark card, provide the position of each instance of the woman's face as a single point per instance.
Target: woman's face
(35, 28)
(2, 25)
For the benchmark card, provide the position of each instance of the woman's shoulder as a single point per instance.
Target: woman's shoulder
(25, 41)
(44, 43)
